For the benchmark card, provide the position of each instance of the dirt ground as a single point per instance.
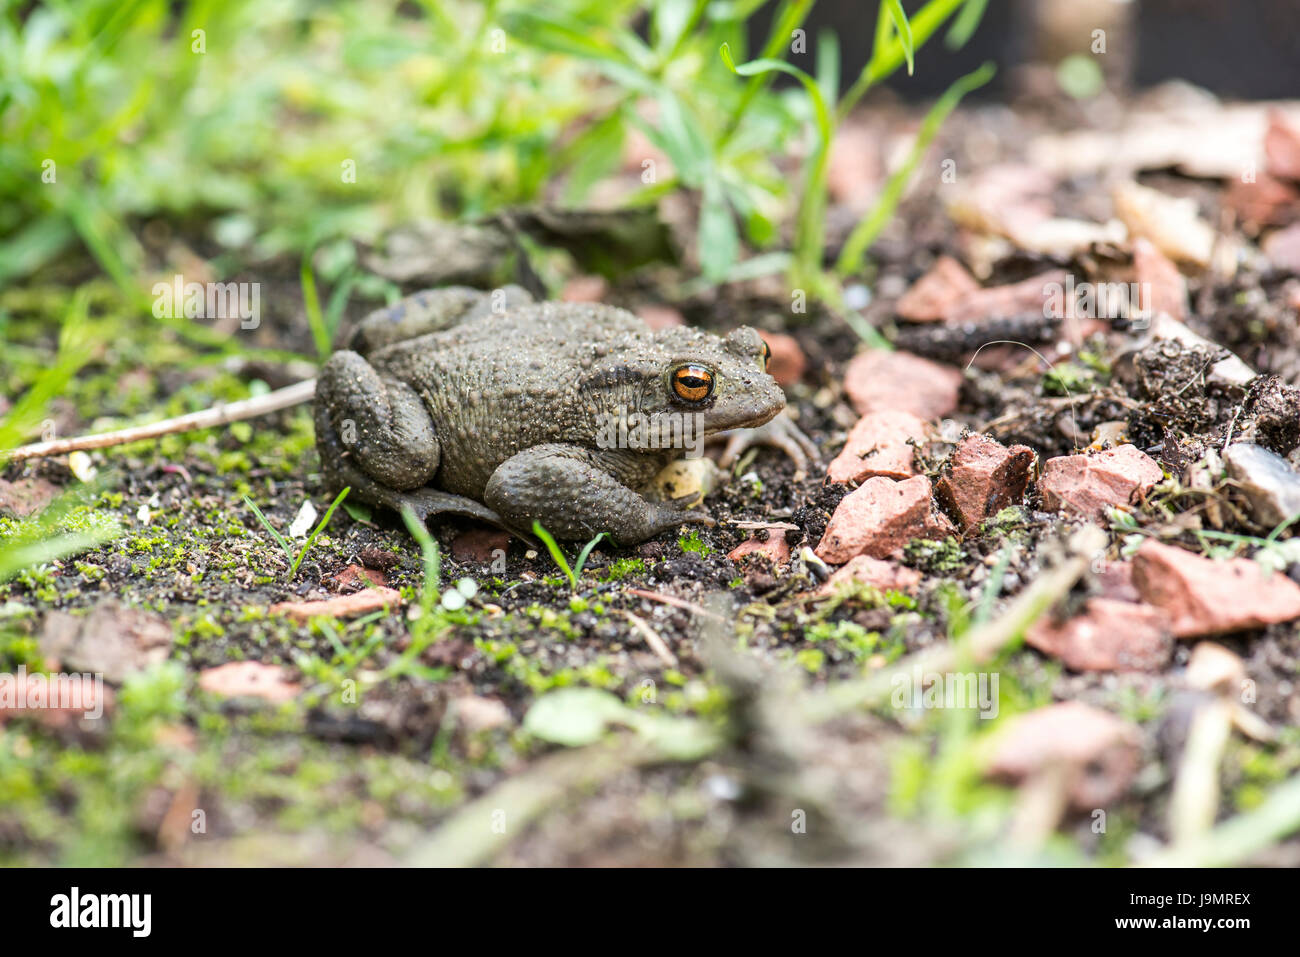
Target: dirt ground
(399, 736)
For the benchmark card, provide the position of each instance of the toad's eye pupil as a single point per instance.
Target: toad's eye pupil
(693, 383)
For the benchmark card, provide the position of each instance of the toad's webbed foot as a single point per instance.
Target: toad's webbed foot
(781, 433)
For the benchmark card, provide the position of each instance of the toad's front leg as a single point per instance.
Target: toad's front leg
(576, 494)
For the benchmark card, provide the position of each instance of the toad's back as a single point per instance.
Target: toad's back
(499, 384)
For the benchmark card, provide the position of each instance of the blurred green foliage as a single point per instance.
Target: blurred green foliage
(264, 128)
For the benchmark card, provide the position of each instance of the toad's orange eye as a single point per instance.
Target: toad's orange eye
(693, 383)
(767, 354)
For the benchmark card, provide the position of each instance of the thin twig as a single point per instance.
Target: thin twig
(220, 414)
(982, 643)
(674, 601)
(482, 829)
(657, 645)
(1237, 839)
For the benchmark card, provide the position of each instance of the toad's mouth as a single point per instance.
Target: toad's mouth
(719, 419)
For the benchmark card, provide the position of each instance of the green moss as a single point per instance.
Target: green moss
(691, 542)
(623, 568)
(933, 557)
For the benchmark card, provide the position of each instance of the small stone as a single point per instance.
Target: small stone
(1282, 146)
(1205, 597)
(1267, 201)
(1213, 667)
(345, 606)
(248, 679)
(776, 549)
(477, 713)
(1110, 635)
(1173, 224)
(1283, 248)
(880, 444)
(26, 495)
(787, 364)
(1158, 273)
(1098, 750)
(985, 477)
(1062, 237)
(1014, 299)
(939, 291)
(1089, 484)
(874, 572)
(879, 380)
(1115, 579)
(879, 518)
(114, 640)
(1267, 480)
(658, 316)
(584, 289)
(480, 545)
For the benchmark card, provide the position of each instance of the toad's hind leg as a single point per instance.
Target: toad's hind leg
(340, 472)
(567, 490)
(380, 421)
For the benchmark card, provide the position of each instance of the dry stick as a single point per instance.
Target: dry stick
(1237, 839)
(484, 827)
(220, 414)
(1195, 799)
(674, 601)
(480, 830)
(983, 642)
(657, 644)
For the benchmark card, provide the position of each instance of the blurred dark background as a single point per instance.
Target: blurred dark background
(1247, 49)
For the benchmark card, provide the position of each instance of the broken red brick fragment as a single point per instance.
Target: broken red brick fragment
(932, 297)
(1110, 635)
(1090, 484)
(1200, 596)
(776, 549)
(787, 362)
(345, 606)
(1097, 751)
(1159, 275)
(879, 518)
(1282, 146)
(985, 477)
(249, 679)
(1030, 295)
(355, 577)
(880, 444)
(879, 380)
(865, 570)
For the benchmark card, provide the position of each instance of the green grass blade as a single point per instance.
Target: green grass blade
(585, 554)
(311, 302)
(904, 31)
(280, 539)
(557, 556)
(320, 526)
(432, 559)
(869, 227)
(965, 24)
